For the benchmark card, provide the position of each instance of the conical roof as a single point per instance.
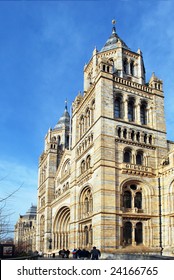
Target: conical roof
(112, 42)
(64, 120)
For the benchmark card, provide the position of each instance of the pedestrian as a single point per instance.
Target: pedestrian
(95, 253)
(67, 252)
(62, 253)
(79, 253)
(74, 253)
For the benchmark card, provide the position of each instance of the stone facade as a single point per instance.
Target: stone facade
(25, 231)
(106, 173)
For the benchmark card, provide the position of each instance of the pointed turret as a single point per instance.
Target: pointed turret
(114, 40)
(64, 121)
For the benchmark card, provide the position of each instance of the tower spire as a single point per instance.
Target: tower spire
(66, 107)
(113, 27)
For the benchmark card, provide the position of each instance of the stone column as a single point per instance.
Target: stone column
(137, 114)
(133, 234)
(128, 66)
(125, 105)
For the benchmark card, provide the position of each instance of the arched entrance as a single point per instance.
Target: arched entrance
(61, 229)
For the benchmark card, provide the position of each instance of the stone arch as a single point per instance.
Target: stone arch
(85, 202)
(141, 195)
(65, 167)
(61, 229)
(170, 200)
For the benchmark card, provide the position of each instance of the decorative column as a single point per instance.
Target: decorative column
(138, 113)
(125, 105)
(128, 66)
(133, 234)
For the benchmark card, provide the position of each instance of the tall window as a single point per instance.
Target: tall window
(132, 68)
(127, 233)
(143, 114)
(117, 108)
(139, 158)
(132, 197)
(139, 233)
(82, 166)
(125, 66)
(88, 118)
(88, 162)
(86, 236)
(127, 199)
(133, 135)
(86, 203)
(127, 156)
(131, 110)
(138, 200)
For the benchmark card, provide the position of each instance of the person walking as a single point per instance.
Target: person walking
(95, 253)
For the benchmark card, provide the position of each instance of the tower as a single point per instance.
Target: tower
(104, 190)
(56, 142)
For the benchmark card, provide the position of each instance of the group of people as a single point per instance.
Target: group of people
(64, 254)
(83, 254)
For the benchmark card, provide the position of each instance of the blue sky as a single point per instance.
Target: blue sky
(43, 48)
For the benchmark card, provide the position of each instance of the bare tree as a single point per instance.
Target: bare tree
(5, 226)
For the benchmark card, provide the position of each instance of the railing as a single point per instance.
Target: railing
(132, 210)
(137, 169)
(132, 84)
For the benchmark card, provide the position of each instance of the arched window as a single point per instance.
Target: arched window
(138, 200)
(86, 236)
(125, 66)
(88, 162)
(143, 113)
(119, 132)
(131, 110)
(150, 139)
(138, 137)
(127, 199)
(127, 156)
(139, 158)
(86, 203)
(125, 133)
(117, 108)
(82, 166)
(133, 135)
(132, 68)
(92, 111)
(88, 118)
(90, 235)
(82, 127)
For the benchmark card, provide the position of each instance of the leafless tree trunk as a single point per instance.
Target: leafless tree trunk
(5, 226)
